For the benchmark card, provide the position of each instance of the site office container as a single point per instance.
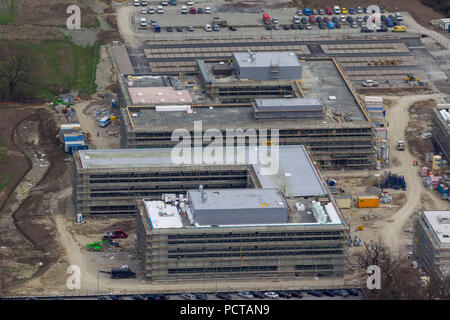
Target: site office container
(266, 18)
(368, 202)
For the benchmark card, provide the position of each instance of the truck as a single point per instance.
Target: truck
(115, 234)
(104, 122)
(122, 273)
(400, 145)
(370, 83)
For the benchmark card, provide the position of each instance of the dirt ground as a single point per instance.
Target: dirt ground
(51, 13)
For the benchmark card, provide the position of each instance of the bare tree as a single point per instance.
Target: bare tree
(16, 67)
(398, 279)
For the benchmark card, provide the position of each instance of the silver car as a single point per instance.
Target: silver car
(245, 294)
(308, 27)
(215, 27)
(187, 296)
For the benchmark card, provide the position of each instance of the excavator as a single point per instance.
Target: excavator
(410, 77)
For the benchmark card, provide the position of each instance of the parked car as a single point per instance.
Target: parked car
(321, 12)
(286, 27)
(151, 10)
(144, 2)
(359, 19)
(179, 29)
(189, 2)
(284, 294)
(299, 12)
(200, 11)
(232, 28)
(190, 28)
(329, 293)
(160, 10)
(354, 25)
(187, 296)
(258, 295)
(382, 10)
(343, 19)
(184, 10)
(164, 2)
(293, 26)
(297, 294)
(315, 12)
(122, 273)
(352, 292)
(223, 295)
(308, 27)
(137, 3)
(277, 27)
(341, 293)
(351, 11)
(322, 26)
(216, 27)
(304, 20)
(245, 294)
(359, 10)
(157, 28)
(201, 296)
(329, 11)
(314, 293)
(326, 20)
(319, 20)
(275, 20)
(383, 29)
(137, 297)
(307, 12)
(334, 19)
(312, 19)
(271, 295)
(301, 27)
(143, 22)
(208, 10)
(169, 29)
(344, 11)
(173, 2)
(296, 19)
(143, 10)
(337, 25)
(330, 25)
(268, 27)
(192, 10)
(208, 28)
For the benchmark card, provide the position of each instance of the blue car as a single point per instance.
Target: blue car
(157, 28)
(307, 11)
(330, 25)
(351, 11)
(389, 23)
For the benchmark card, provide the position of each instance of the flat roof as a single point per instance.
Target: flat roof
(162, 215)
(288, 168)
(159, 95)
(232, 199)
(440, 223)
(265, 59)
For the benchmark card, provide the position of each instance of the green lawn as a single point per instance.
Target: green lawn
(6, 11)
(61, 63)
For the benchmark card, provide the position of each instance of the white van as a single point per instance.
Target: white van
(208, 28)
(337, 10)
(137, 3)
(143, 22)
(184, 10)
(399, 16)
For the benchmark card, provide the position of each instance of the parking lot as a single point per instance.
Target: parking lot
(248, 22)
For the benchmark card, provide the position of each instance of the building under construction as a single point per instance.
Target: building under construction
(109, 182)
(441, 129)
(431, 243)
(338, 132)
(288, 227)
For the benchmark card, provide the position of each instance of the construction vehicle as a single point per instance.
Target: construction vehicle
(400, 145)
(115, 234)
(96, 246)
(370, 83)
(410, 77)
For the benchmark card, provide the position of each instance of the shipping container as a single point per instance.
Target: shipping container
(344, 202)
(368, 202)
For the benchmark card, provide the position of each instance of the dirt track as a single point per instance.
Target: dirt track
(398, 117)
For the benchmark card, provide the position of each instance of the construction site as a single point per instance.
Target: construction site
(341, 135)
(360, 121)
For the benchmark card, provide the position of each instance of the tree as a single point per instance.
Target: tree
(16, 67)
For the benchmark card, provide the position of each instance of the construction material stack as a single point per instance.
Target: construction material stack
(377, 112)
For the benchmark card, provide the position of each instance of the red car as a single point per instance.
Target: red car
(312, 19)
(115, 234)
(329, 11)
(193, 10)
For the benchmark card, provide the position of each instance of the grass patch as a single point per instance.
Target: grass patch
(61, 65)
(5, 180)
(7, 11)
